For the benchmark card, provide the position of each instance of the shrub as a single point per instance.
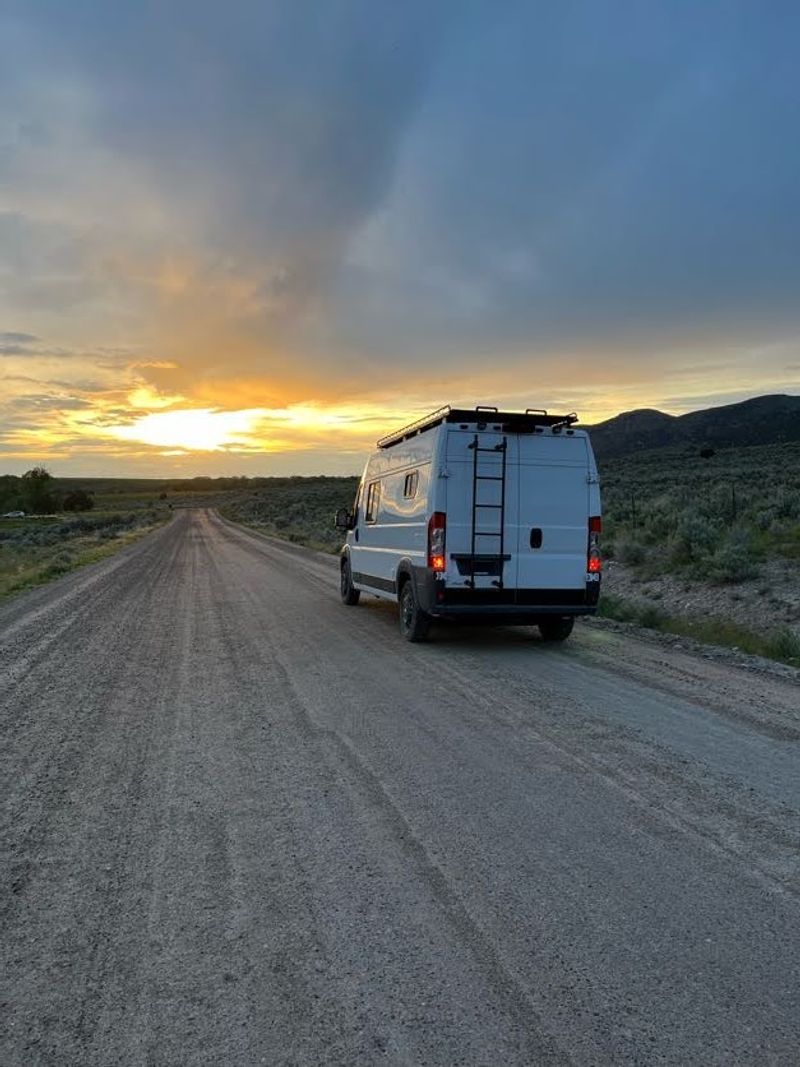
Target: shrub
(695, 538)
(788, 506)
(784, 645)
(719, 503)
(651, 617)
(734, 561)
(60, 564)
(615, 607)
(766, 518)
(78, 500)
(631, 553)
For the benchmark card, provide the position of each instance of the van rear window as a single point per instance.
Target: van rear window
(373, 502)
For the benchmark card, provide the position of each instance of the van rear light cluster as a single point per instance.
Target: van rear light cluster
(594, 564)
(436, 535)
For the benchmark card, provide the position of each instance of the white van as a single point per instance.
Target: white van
(478, 515)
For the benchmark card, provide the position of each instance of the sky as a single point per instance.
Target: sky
(250, 238)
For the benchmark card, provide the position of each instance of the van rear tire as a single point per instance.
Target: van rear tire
(350, 595)
(414, 622)
(555, 628)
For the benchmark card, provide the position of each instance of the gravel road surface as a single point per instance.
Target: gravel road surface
(244, 824)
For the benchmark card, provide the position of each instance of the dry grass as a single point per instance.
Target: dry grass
(35, 551)
(781, 644)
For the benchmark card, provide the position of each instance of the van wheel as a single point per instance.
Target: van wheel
(350, 595)
(556, 629)
(414, 622)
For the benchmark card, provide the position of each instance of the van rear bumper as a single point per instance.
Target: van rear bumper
(506, 605)
(507, 613)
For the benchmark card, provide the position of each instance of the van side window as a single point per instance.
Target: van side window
(373, 501)
(357, 504)
(410, 487)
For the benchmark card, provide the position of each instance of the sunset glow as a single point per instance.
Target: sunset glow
(200, 430)
(209, 430)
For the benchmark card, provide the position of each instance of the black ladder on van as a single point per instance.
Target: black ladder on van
(488, 562)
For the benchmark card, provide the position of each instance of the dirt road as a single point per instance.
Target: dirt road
(244, 824)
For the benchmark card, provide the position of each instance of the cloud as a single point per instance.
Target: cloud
(632, 164)
(14, 350)
(271, 205)
(228, 161)
(10, 337)
(48, 402)
(13, 343)
(35, 349)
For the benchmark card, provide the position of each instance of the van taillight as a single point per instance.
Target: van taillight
(594, 563)
(436, 532)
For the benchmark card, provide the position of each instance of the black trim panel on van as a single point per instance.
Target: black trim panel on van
(520, 597)
(383, 584)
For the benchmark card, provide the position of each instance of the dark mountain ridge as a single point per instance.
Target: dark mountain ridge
(763, 420)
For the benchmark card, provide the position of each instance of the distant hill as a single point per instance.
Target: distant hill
(764, 420)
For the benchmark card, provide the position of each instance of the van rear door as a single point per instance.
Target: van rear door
(552, 511)
(488, 496)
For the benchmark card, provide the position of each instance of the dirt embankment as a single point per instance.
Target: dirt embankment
(761, 604)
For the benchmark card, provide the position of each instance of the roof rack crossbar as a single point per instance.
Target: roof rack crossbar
(567, 420)
(414, 427)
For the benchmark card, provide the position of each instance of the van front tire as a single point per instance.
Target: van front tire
(350, 595)
(414, 622)
(555, 628)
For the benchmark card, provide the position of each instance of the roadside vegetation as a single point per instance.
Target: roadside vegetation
(781, 643)
(36, 550)
(47, 529)
(717, 530)
(300, 510)
(710, 516)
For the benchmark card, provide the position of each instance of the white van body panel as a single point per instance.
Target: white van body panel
(400, 530)
(553, 497)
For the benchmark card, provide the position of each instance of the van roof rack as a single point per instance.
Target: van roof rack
(527, 421)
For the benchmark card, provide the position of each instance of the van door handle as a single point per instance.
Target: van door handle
(355, 535)
(536, 537)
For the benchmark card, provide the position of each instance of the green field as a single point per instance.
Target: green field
(713, 519)
(36, 549)
(297, 509)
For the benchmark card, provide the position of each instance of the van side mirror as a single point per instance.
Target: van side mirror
(343, 519)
